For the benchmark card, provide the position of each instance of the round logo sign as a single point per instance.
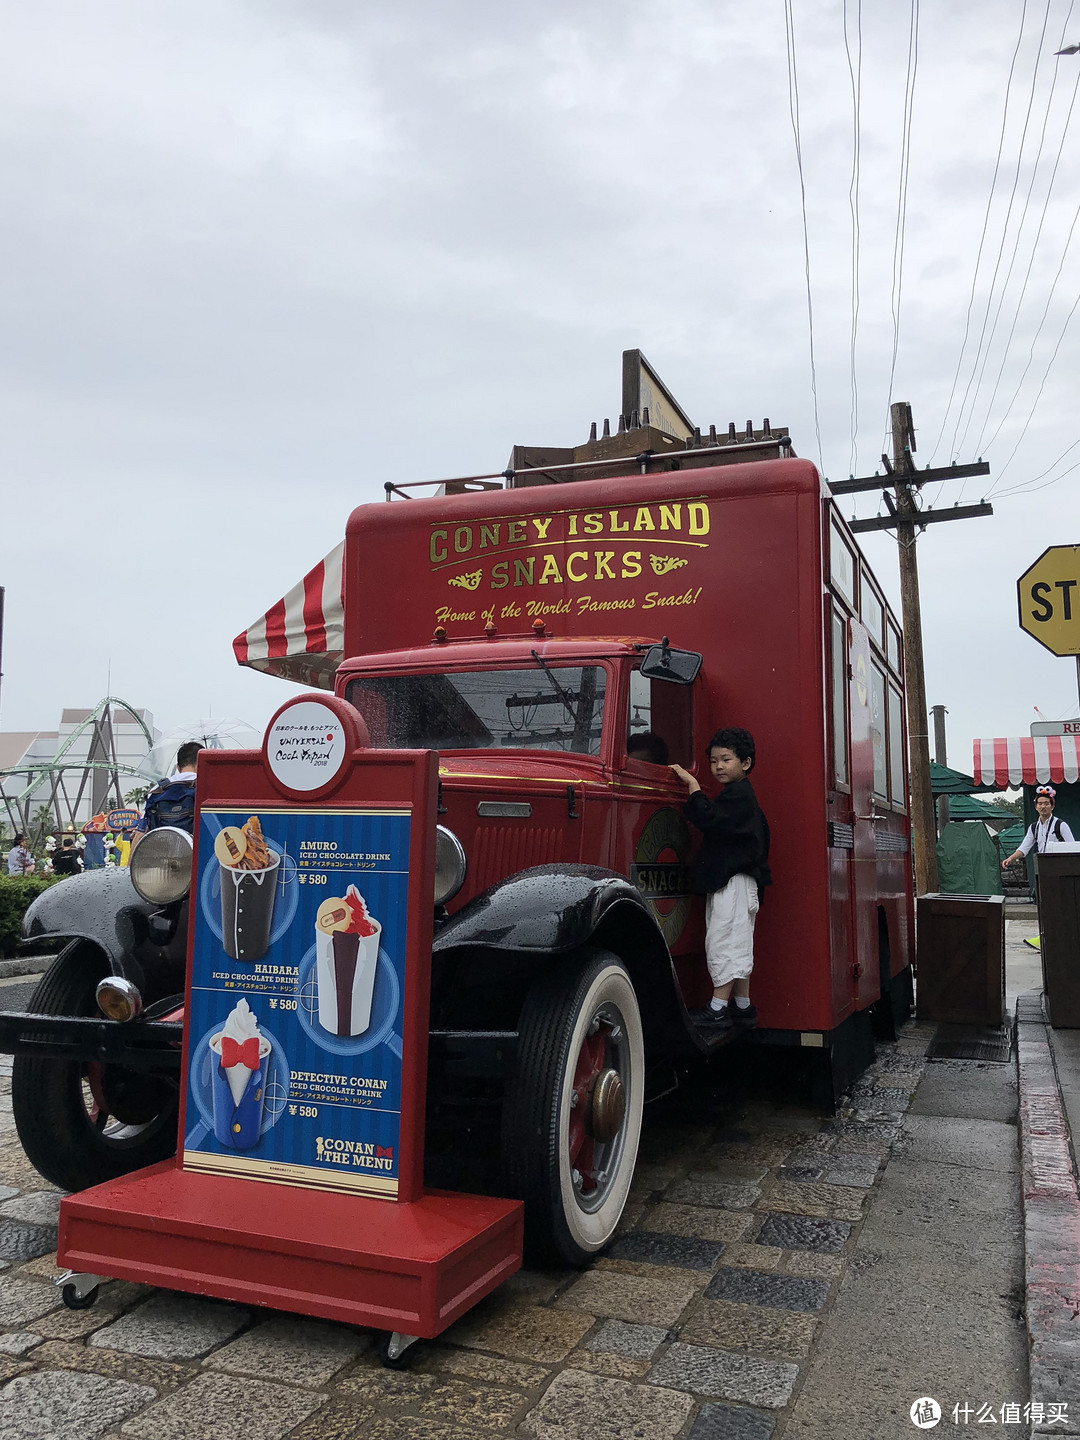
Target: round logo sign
(306, 746)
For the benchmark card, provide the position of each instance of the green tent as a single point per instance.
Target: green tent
(963, 807)
(1009, 839)
(968, 861)
(946, 781)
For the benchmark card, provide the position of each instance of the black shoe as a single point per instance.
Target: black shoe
(715, 1021)
(747, 1018)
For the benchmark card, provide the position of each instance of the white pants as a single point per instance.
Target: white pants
(729, 930)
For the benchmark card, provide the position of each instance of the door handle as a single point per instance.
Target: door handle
(874, 819)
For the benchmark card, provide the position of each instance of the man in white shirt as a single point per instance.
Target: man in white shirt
(1045, 830)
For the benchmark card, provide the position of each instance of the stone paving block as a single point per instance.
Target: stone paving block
(654, 1247)
(701, 1188)
(173, 1327)
(292, 1350)
(43, 1268)
(536, 1287)
(19, 1241)
(864, 1129)
(337, 1420)
(55, 1403)
(696, 1279)
(860, 1177)
(17, 1342)
(726, 1376)
(212, 1405)
(8, 1192)
(10, 1366)
(16, 1172)
(800, 1173)
(731, 1422)
(629, 1297)
(602, 1362)
(651, 1177)
(473, 1366)
(862, 1145)
(753, 1256)
(804, 1232)
(807, 1262)
(704, 1224)
(379, 1387)
(158, 1374)
(67, 1324)
(24, 1300)
(579, 1406)
(39, 1207)
(474, 1407)
(761, 1287)
(827, 1201)
(413, 1427)
(640, 1342)
(762, 1153)
(521, 1332)
(732, 1326)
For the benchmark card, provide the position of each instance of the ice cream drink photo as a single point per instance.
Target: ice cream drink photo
(347, 957)
(249, 876)
(238, 1078)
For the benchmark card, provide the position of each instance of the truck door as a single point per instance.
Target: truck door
(863, 854)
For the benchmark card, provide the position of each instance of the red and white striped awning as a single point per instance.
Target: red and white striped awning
(1027, 760)
(302, 637)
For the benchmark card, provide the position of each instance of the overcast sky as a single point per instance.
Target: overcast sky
(261, 257)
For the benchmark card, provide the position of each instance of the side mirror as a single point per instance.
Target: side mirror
(661, 662)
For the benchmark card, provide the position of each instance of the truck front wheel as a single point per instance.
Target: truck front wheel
(572, 1110)
(81, 1123)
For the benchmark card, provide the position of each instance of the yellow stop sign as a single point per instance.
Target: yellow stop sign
(1048, 595)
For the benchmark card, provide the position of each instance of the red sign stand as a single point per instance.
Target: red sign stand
(283, 1232)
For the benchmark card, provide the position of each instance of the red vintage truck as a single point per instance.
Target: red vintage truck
(527, 633)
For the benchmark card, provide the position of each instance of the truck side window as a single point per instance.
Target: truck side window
(877, 732)
(662, 709)
(896, 749)
(839, 689)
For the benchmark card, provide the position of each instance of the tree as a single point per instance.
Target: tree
(1012, 807)
(41, 824)
(137, 796)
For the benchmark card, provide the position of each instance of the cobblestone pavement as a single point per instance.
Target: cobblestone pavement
(699, 1321)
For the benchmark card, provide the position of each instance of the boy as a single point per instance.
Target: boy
(732, 870)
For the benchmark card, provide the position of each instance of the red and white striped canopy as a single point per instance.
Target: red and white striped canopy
(1027, 760)
(302, 637)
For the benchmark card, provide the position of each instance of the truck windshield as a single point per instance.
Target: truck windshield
(548, 708)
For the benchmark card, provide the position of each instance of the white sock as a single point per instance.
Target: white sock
(718, 1005)
(743, 1002)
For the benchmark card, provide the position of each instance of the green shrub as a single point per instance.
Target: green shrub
(16, 894)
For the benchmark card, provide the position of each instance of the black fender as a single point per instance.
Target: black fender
(138, 939)
(486, 956)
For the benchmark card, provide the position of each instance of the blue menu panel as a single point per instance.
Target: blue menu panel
(298, 977)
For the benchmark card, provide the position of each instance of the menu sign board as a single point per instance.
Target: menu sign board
(296, 1000)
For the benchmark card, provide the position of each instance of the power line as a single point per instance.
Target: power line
(1004, 232)
(1029, 487)
(1042, 321)
(901, 199)
(982, 237)
(855, 75)
(793, 108)
(1042, 386)
(1027, 277)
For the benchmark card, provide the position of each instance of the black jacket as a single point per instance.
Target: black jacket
(736, 838)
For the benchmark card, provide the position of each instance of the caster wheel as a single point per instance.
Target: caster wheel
(74, 1301)
(391, 1358)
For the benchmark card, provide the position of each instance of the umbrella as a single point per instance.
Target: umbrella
(946, 781)
(223, 732)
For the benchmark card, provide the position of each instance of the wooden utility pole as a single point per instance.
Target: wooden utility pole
(907, 519)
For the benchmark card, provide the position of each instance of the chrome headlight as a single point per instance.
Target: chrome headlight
(160, 865)
(449, 865)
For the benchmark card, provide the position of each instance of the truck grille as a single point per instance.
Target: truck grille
(499, 850)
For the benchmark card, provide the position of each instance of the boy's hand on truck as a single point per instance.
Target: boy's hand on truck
(686, 778)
